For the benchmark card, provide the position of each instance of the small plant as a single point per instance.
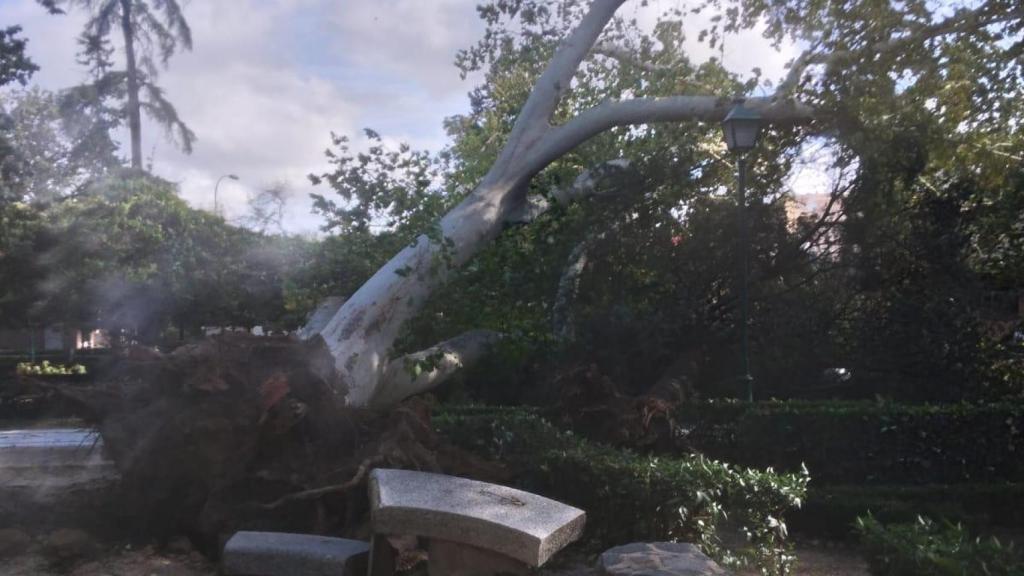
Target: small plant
(45, 368)
(930, 548)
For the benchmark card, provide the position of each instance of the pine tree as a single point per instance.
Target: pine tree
(152, 32)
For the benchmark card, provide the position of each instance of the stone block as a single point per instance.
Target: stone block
(283, 554)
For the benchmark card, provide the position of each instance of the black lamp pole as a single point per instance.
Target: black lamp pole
(741, 202)
(741, 128)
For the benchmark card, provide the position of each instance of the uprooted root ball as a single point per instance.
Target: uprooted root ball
(244, 432)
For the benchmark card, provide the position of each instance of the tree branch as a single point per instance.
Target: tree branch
(568, 286)
(424, 370)
(569, 281)
(602, 180)
(962, 21)
(587, 124)
(535, 116)
(624, 56)
(320, 317)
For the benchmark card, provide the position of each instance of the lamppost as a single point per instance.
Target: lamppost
(741, 128)
(216, 186)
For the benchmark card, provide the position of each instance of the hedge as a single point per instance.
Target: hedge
(630, 497)
(832, 511)
(928, 548)
(863, 442)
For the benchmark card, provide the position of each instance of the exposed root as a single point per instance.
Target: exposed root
(315, 493)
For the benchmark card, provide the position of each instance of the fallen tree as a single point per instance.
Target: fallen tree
(363, 330)
(853, 59)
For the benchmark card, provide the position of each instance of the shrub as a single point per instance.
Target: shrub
(928, 548)
(879, 443)
(631, 497)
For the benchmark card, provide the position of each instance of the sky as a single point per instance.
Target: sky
(268, 81)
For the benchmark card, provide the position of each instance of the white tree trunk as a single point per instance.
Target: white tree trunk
(363, 330)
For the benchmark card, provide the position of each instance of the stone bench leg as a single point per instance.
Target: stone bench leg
(382, 557)
(446, 558)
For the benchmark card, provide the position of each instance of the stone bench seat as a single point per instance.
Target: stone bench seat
(470, 525)
(283, 554)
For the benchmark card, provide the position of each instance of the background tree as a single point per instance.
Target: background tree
(266, 208)
(58, 144)
(131, 255)
(151, 32)
(15, 66)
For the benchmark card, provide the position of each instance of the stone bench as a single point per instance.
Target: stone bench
(283, 554)
(472, 528)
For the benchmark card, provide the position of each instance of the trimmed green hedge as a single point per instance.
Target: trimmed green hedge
(864, 442)
(928, 548)
(631, 497)
(832, 511)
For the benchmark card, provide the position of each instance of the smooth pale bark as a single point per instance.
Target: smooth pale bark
(363, 331)
(320, 317)
(437, 364)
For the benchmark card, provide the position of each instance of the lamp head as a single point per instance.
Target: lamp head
(741, 128)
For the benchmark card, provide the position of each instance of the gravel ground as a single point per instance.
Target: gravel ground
(829, 561)
(813, 561)
(144, 562)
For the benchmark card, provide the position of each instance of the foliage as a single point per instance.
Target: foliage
(929, 548)
(881, 443)
(382, 188)
(14, 65)
(56, 146)
(44, 368)
(629, 496)
(21, 228)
